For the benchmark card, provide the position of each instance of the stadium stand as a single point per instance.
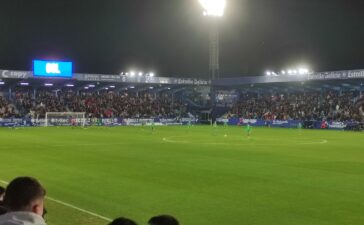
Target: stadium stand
(333, 106)
(105, 104)
(310, 99)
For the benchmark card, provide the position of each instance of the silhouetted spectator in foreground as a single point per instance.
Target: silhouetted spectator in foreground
(24, 200)
(2, 208)
(123, 221)
(2, 192)
(163, 220)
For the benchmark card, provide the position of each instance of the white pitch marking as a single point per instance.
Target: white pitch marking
(70, 206)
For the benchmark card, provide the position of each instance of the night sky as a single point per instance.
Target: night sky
(170, 37)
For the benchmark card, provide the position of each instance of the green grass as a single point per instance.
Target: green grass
(278, 177)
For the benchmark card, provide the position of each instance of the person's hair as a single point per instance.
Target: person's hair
(122, 221)
(21, 192)
(163, 220)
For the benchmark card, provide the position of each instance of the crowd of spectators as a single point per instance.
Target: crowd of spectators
(7, 110)
(332, 106)
(22, 202)
(106, 104)
(337, 106)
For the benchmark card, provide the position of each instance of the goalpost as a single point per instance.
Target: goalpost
(65, 119)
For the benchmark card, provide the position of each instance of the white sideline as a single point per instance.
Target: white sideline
(70, 206)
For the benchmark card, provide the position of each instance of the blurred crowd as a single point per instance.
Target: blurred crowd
(335, 106)
(6, 109)
(22, 202)
(106, 104)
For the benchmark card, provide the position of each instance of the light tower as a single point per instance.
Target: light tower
(214, 9)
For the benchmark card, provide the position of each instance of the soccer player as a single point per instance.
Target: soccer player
(248, 130)
(73, 122)
(152, 126)
(225, 123)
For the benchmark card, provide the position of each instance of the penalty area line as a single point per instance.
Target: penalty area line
(70, 206)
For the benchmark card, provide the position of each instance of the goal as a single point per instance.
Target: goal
(64, 119)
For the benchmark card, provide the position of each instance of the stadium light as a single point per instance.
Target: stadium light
(151, 74)
(106, 88)
(91, 86)
(70, 85)
(86, 88)
(303, 71)
(214, 8)
(2, 82)
(151, 87)
(48, 84)
(132, 73)
(140, 74)
(132, 87)
(268, 73)
(126, 74)
(24, 84)
(283, 72)
(112, 86)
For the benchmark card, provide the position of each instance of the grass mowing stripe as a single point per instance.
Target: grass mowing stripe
(70, 206)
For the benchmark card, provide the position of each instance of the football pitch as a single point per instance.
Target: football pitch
(201, 175)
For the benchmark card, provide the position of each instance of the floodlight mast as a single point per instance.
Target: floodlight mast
(215, 10)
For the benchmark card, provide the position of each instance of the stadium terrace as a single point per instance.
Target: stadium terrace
(335, 98)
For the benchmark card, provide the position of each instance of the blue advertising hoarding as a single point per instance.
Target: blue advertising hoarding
(44, 68)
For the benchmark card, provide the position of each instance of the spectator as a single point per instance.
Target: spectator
(24, 199)
(123, 221)
(163, 220)
(2, 192)
(2, 208)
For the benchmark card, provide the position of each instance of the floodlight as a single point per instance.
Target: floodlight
(91, 85)
(112, 86)
(70, 85)
(132, 87)
(151, 74)
(24, 84)
(140, 74)
(151, 87)
(2, 82)
(86, 88)
(283, 72)
(106, 88)
(268, 73)
(132, 73)
(213, 8)
(48, 85)
(303, 71)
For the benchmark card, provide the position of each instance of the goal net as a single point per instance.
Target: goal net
(64, 119)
